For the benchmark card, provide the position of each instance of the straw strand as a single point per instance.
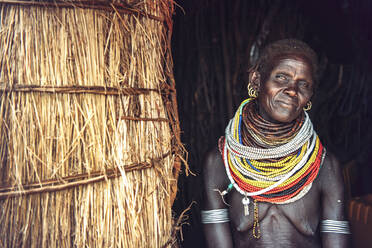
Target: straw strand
(72, 181)
(121, 8)
(76, 89)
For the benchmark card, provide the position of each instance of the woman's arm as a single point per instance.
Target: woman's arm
(217, 234)
(333, 205)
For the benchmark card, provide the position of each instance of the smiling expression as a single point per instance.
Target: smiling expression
(287, 89)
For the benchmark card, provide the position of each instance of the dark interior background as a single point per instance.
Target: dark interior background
(212, 48)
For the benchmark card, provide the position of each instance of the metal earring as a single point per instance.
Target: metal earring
(308, 106)
(251, 92)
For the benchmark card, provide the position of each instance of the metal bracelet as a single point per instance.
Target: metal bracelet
(335, 226)
(215, 216)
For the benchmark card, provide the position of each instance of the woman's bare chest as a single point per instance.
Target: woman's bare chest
(302, 215)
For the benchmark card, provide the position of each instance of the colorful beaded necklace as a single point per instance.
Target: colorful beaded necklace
(276, 170)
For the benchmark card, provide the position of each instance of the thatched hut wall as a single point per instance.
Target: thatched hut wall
(88, 124)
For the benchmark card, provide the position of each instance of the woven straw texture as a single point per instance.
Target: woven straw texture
(87, 124)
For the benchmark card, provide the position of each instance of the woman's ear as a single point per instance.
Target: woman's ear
(255, 80)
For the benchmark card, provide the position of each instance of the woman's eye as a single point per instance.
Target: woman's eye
(304, 84)
(280, 77)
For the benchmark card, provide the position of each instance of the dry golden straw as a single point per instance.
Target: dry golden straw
(88, 128)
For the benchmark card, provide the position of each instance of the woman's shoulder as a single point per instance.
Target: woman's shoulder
(215, 179)
(213, 166)
(331, 164)
(213, 158)
(331, 171)
(213, 163)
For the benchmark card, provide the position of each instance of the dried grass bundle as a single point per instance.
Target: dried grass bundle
(87, 149)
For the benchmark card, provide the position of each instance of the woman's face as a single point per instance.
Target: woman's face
(287, 89)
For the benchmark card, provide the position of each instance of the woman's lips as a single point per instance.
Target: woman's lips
(288, 103)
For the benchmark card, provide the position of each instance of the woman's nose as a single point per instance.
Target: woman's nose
(292, 88)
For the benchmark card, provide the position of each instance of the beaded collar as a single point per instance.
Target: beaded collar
(277, 174)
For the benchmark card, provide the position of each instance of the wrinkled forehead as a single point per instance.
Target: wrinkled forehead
(278, 61)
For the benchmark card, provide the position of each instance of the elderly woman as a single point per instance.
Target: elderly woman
(271, 183)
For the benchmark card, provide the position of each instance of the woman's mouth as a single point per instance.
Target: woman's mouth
(287, 104)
